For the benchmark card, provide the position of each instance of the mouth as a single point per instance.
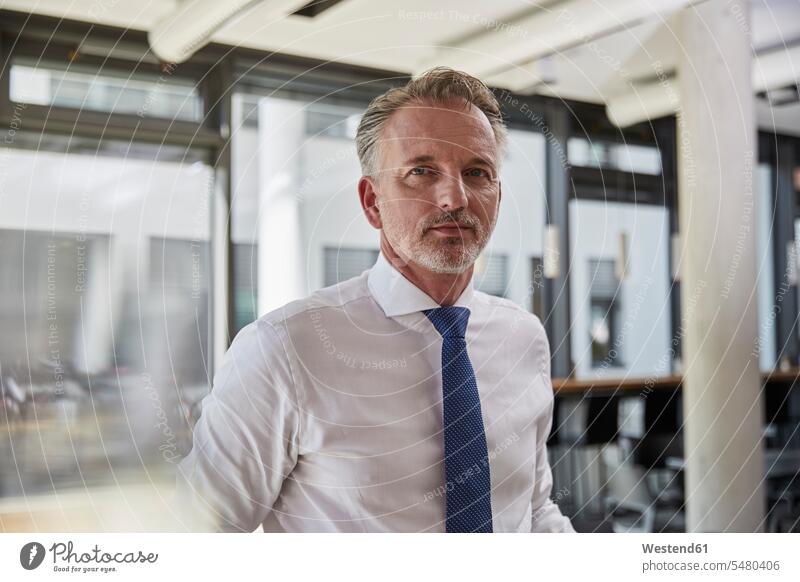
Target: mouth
(451, 229)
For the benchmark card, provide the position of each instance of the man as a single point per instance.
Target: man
(402, 399)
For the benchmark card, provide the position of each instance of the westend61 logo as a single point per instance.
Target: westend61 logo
(66, 559)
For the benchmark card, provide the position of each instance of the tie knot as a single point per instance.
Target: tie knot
(449, 321)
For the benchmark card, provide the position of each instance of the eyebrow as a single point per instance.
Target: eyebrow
(419, 160)
(428, 158)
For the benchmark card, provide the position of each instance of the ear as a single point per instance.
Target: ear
(368, 195)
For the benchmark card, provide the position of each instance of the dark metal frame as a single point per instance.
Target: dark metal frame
(666, 133)
(556, 292)
(782, 154)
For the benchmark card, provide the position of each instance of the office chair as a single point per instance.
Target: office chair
(644, 493)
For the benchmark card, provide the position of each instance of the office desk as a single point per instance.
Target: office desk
(777, 463)
(572, 386)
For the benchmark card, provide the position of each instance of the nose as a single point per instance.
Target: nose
(451, 193)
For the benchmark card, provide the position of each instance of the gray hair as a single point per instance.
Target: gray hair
(437, 85)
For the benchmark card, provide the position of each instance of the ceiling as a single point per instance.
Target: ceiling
(496, 39)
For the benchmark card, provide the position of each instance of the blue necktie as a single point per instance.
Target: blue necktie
(466, 463)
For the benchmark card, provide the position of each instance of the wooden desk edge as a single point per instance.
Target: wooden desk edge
(566, 386)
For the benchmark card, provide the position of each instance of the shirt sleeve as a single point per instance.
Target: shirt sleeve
(245, 443)
(546, 517)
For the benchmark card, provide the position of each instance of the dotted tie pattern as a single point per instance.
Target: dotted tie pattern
(468, 483)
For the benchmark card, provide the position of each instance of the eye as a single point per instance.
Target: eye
(477, 173)
(420, 171)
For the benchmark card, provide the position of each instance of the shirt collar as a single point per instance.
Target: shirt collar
(398, 296)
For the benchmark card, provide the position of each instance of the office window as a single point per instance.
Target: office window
(245, 290)
(178, 265)
(51, 261)
(72, 85)
(518, 234)
(331, 122)
(630, 316)
(104, 311)
(179, 275)
(491, 274)
(342, 264)
(605, 309)
(765, 264)
(617, 156)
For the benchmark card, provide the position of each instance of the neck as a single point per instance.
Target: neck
(444, 288)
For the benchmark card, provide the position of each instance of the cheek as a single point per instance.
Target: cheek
(405, 214)
(485, 206)
(411, 211)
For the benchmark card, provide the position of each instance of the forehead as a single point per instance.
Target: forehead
(453, 129)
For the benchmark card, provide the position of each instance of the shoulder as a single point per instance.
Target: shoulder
(509, 319)
(507, 313)
(333, 297)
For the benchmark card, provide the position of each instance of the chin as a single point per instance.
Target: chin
(445, 262)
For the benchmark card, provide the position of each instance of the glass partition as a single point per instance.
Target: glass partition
(104, 313)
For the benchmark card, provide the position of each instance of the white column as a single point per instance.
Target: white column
(716, 160)
(281, 261)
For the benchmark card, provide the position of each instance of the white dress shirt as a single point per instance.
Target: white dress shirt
(326, 415)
